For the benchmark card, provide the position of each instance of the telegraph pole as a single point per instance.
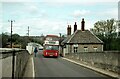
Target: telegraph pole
(28, 31)
(60, 39)
(11, 21)
(60, 47)
(13, 53)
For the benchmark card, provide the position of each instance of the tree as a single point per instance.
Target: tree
(97, 27)
(106, 31)
(105, 27)
(5, 39)
(16, 38)
(110, 26)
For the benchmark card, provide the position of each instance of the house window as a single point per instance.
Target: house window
(85, 49)
(95, 49)
(75, 49)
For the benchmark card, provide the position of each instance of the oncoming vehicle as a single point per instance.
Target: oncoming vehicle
(51, 46)
(51, 50)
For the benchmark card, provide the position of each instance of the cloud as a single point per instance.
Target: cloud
(17, 0)
(108, 13)
(41, 20)
(34, 10)
(77, 1)
(62, 1)
(78, 13)
(37, 26)
(31, 7)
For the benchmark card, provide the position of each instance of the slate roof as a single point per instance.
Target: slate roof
(65, 40)
(83, 37)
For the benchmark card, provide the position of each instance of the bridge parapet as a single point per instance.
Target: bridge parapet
(107, 60)
(21, 58)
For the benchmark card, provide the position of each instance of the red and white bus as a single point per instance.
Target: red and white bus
(51, 46)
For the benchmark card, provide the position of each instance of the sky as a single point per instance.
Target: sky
(53, 16)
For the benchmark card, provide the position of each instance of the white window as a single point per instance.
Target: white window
(85, 49)
(75, 49)
(95, 49)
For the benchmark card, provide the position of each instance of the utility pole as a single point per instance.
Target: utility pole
(13, 53)
(60, 47)
(60, 39)
(28, 31)
(11, 21)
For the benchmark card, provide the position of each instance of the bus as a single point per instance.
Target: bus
(51, 46)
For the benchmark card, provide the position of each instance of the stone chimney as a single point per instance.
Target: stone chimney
(75, 27)
(83, 25)
(69, 30)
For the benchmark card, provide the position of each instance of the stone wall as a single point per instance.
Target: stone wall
(108, 60)
(21, 58)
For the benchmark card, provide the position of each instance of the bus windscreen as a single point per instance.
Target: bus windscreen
(51, 47)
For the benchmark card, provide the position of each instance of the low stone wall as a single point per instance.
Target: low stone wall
(108, 60)
(21, 58)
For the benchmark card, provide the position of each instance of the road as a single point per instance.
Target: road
(58, 67)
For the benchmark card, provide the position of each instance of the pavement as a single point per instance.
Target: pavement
(29, 70)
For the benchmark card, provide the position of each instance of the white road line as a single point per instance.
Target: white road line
(33, 67)
(96, 69)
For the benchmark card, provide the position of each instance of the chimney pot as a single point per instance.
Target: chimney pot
(83, 25)
(75, 27)
(69, 30)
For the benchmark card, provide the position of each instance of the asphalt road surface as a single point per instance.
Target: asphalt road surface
(58, 67)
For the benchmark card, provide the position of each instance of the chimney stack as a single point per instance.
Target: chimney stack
(69, 30)
(83, 25)
(75, 27)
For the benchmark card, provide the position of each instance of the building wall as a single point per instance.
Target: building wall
(91, 48)
(66, 49)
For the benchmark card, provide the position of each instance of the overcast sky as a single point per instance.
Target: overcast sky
(53, 16)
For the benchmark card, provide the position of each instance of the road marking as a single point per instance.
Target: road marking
(95, 69)
(33, 67)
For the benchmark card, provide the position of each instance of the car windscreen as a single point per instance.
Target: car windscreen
(51, 47)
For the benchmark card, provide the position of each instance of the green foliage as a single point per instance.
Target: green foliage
(37, 41)
(5, 39)
(110, 43)
(106, 31)
(104, 27)
(17, 39)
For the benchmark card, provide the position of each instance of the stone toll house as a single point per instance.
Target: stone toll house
(81, 40)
